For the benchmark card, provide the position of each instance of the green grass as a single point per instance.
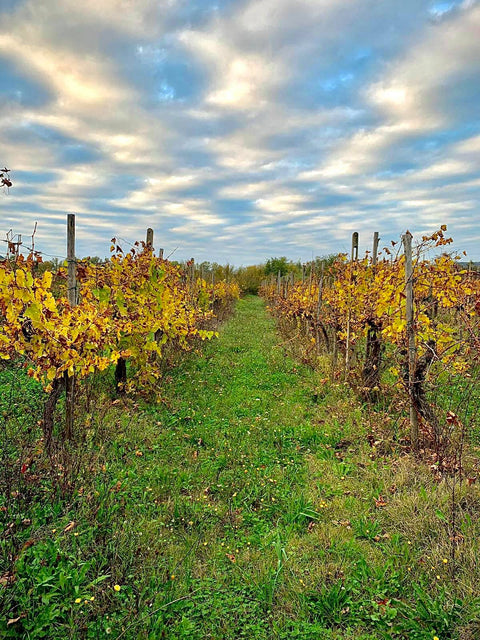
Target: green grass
(239, 507)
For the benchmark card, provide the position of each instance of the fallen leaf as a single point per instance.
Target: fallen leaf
(28, 543)
(69, 527)
(7, 579)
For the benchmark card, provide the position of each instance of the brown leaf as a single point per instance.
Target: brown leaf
(380, 502)
(6, 579)
(70, 526)
(28, 543)
(383, 603)
(231, 557)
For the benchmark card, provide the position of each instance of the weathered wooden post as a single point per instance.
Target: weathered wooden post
(319, 307)
(354, 258)
(375, 248)
(72, 299)
(213, 290)
(149, 241)
(373, 351)
(354, 246)
(320, 292)
(409, 293)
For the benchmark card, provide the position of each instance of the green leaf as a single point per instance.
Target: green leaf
(34, 312)
(103, 294)
(441, 515)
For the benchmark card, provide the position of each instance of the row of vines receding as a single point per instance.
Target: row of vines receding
(352, 318)
(132, 313)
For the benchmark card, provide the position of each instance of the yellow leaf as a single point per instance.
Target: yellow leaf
(20, 278)
(51, 373)
(47, 280)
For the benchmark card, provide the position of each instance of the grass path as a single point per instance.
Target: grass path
(249, 504)
(226, 465)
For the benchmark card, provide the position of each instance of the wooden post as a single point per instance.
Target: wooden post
(279, 279)
(71, 268)
(190, 274)
(320, 292)
(375, 248)
(373, 350)
(72, 299)
(407, 244)
(319, 307)
(354, 246)
(354, 258)
(212, 304)
(161, 254)
(149, 241)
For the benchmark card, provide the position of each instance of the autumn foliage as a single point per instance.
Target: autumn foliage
(131, 307)
(357, 311)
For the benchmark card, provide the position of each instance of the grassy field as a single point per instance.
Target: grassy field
(256, 501)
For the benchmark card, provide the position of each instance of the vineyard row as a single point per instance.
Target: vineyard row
(391, 322)
(133, 308)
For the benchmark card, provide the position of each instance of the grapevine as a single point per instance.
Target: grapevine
(129, 308)
(359, 307)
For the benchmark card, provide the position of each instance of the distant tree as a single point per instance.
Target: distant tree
(319, 262)
(250, 278)
(205, 267)
(275, 265)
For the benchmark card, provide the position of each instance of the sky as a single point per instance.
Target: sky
(240, 129)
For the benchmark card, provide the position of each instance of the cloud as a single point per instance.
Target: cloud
(240, 129)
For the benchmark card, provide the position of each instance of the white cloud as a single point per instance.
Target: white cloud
(307, 157)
